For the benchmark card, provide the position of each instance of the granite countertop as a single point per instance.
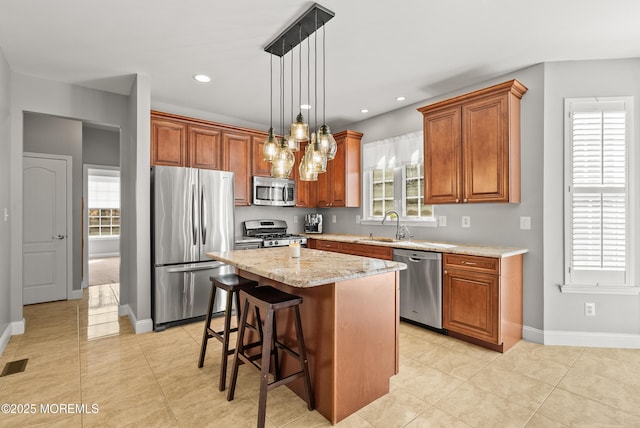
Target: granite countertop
(312, 268)
(440, 247)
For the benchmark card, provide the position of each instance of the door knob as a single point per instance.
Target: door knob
(58, 237)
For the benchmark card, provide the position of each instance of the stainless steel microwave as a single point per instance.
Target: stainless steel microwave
(279, 192)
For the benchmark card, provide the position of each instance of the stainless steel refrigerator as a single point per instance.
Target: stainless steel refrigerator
(193, 213)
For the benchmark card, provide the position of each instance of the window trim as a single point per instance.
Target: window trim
(599, 287)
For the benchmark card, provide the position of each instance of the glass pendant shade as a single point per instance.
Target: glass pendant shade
(328, 144)
(270, 146)
(282, 162)
(317, 159)
(292, 143)
(300, 129)
(304, 169)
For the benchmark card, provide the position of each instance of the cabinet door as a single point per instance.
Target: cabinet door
(324, 187)
(442, 158)
(485, 148)
(365, 250)
(470, 304)
(260, 167)
(205, 147)
(338, 176)
(305, 190)
(168, 142)
(236, 148)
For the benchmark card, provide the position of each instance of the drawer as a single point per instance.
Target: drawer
(472, 263)
(365, 250)
(321, 244)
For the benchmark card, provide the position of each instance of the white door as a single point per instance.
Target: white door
(45, 240)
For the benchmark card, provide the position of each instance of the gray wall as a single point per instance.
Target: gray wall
(58, 136)
(565, 312)
(5, 250)
(35, 95)
(490, 223)
(100, 146)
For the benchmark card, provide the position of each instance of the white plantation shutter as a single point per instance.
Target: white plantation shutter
(597, 204)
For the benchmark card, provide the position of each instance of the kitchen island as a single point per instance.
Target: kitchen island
(350, 320)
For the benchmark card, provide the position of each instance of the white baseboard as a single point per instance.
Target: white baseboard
(139, 326)
(531, 334)
(17, 327)
(592, 339)
(75, 295)
(103, 255)
(4, 339)
(581, 338)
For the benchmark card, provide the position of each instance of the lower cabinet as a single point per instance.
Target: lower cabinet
(482, 299)
(365, 250)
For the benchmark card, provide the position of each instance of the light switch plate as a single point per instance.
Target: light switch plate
(466, 221)
(442, 220)
(525, 223)
(358, 219)
(333, 218)
(295, 218)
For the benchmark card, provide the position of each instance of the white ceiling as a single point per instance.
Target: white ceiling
(376, 50)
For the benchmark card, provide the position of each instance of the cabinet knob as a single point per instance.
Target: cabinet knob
(445, 272)
(465, 200)
(457, 200)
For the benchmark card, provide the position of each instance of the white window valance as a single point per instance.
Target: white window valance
(406, 149)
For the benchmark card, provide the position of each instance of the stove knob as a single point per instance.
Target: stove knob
(275, 243)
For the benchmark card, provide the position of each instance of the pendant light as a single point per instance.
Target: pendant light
(270, 144)
(317, 158)
(299, 129)
(283, 159)
(328, 144)
(292, 141)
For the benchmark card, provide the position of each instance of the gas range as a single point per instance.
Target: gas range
(272, 233)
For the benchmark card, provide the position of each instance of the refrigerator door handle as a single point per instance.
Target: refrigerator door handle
(182, 269)
(203, 217)
(194, 231)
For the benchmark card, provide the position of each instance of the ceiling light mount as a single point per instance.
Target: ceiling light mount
(309, 22)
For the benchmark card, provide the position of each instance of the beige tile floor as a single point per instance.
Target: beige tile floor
(81, 353)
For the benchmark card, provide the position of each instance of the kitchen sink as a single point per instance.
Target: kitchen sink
(379, 239)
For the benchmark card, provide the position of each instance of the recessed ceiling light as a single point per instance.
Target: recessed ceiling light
(400, 99)
(202, 78)
(364, 110)
(305, 107)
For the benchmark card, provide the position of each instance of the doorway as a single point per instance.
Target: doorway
(102, 220)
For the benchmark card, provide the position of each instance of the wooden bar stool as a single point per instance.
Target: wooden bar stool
(232, 284)
(269, 300)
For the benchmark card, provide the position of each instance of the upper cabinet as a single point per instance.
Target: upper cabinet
(168, 142)
(340, 185)
(204, 147)
(236, 150)
(472, 146)
(260, 167)
(305, 190)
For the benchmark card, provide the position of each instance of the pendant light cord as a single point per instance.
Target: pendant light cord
(324, 82)
(299, 72)
(315, 74)
(271, 92)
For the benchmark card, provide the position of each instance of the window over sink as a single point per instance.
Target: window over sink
(394, 180)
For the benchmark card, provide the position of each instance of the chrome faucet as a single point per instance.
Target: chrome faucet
(400, 233)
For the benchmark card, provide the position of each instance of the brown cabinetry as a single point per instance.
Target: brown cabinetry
(168, 142)
(340, 185)
(260, 167)
(305, 190)
(482, 299)
(472, 146)
(236, 153)
(365, 250)
(204, 147)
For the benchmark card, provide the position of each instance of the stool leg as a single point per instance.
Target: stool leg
(302, 351)
(239, 349)
(265, 363)
(225, 341)
(274, 349)
(207, 325)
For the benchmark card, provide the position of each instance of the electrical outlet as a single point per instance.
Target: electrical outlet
(6, 214)
(589, 309)
(295, 218)
(525, 223)
(466, 221)
(333, 218)
(357, 219)
(442, 220)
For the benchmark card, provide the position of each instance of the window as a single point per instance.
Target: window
(394, 179)
(104, 222)
(598, 241)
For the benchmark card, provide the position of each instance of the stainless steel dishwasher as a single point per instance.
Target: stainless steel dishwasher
(421, 287)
